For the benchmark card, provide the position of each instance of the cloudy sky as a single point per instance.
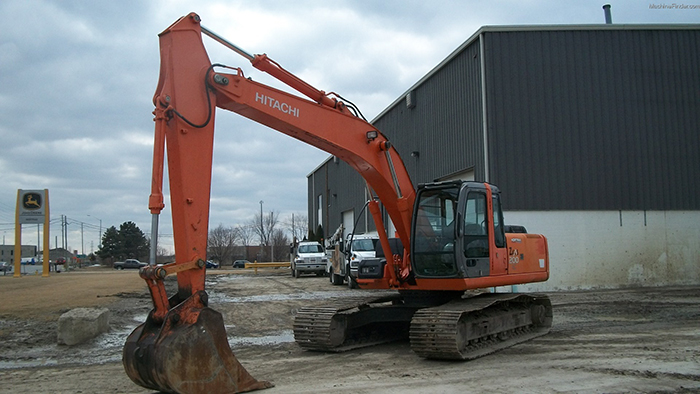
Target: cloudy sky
(77, 79)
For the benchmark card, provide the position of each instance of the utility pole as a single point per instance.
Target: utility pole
(99, 242)
(63, 232)
(272, 244)
(262, 229)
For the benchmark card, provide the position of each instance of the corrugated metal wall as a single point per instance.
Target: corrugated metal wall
(595, 119)
(444, 127)
(578, 119)
(342, 189)
(346, 192)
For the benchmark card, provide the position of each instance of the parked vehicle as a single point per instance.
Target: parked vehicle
(5, 266)
(60, 261)
(345, 261)
(212, 264)
(240, 263)
(129, 263)
(310, 258)
(362, 247)
(336, 266)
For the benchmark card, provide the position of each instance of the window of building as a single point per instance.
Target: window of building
(319, 212)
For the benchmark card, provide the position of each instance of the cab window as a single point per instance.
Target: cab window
(476, 240)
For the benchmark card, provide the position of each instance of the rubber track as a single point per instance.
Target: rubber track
(466, 329)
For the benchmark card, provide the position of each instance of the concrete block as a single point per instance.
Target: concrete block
(80, 324)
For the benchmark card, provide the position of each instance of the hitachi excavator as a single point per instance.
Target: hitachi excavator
(450, 239)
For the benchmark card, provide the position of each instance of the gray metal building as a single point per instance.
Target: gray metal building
(599, 118)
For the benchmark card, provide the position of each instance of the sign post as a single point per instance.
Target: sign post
(32, 208)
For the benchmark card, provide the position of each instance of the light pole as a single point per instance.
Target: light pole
(99, 244)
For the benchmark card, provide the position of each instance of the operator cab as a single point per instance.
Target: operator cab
(451, 226)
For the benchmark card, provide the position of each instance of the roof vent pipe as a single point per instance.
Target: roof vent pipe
(608, 14)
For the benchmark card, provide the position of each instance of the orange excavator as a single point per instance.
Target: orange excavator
(451, 241)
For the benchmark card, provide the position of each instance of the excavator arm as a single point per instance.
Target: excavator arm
(190, 82)
(182, 347)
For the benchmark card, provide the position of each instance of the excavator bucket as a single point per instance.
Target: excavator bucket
(187, 352)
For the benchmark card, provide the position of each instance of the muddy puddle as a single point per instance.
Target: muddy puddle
(217, 297)
(286, 336)
(107, 348)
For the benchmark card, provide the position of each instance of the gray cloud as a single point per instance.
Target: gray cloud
(77, 79)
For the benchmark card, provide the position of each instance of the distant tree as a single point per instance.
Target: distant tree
(133, 242)
(281, 242)
(163, 255)
(110, 244)
(245, 234)
(264, 228)
(127, 242)
(221, 243)
(297, 225)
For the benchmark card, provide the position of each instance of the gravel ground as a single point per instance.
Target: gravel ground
(608, 341)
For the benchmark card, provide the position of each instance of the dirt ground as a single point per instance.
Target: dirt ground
(643, 340)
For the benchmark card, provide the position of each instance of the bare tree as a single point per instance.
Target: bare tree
(264, 227)
(163, 255)
(246, 237)
(221, 243)
(297, 225)
(281, 242)
(246, 234)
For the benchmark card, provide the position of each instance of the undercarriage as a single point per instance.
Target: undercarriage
(440, 325)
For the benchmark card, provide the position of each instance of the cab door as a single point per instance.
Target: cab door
(473, 248)
(497, 236)
(481, 247)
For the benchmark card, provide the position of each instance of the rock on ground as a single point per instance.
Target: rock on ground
(80, 324)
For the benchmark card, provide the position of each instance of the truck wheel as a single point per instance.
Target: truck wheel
(336, 279)
(295, 273)
(351, 282)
